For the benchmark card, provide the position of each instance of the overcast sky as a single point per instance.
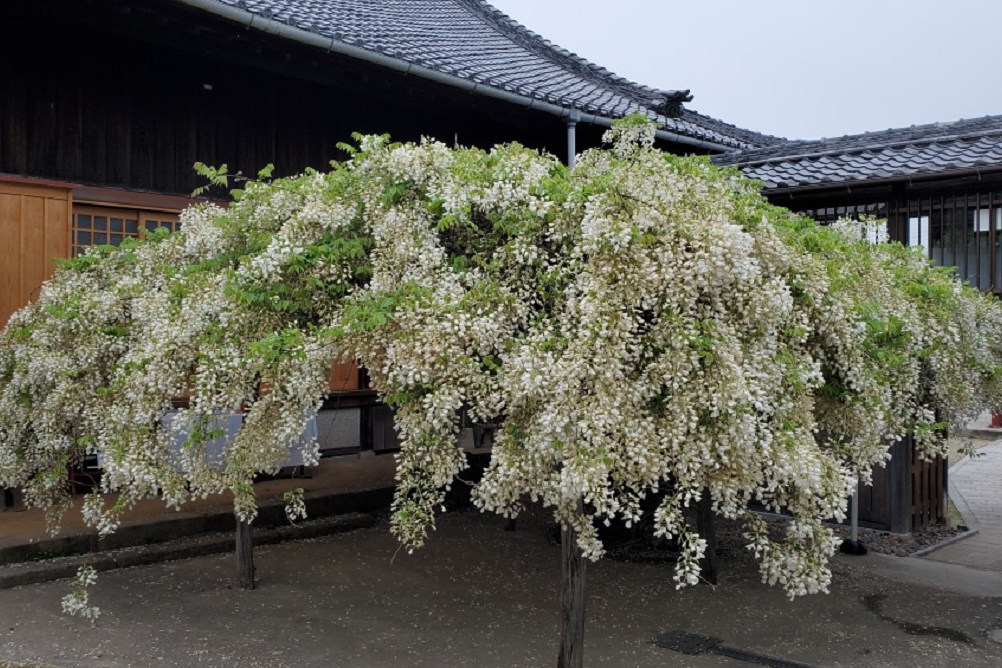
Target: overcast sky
(794, 68)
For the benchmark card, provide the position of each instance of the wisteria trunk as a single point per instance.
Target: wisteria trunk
(245, 555)
(572, 601)
(707, 531)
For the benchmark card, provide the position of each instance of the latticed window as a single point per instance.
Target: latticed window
(103, 225)
(962, 230)
(956, 229)
(827, 215)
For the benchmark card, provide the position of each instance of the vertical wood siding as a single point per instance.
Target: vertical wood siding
(34, 232)
(128, 112)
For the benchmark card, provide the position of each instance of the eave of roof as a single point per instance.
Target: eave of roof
(553, 80)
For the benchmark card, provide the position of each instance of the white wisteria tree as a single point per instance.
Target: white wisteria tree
(641, 324)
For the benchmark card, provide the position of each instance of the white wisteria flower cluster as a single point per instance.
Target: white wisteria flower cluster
(644, 328)
(77, 602)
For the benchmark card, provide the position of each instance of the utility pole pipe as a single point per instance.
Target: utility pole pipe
(853, 545)
(855, 516)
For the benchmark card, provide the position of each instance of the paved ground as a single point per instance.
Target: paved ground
(479, 596)
(976, 489)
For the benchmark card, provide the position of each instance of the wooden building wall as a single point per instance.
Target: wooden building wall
(94, 94)
(131, 93)
(130, 116)
(34, 231)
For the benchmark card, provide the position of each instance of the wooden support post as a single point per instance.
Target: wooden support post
(245, 555)
(572, 601)
(366, 434)
(706, 531)
(900, 475)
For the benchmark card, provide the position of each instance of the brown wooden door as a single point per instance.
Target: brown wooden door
(34, 233)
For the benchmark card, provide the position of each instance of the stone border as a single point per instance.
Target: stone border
(984, 433)
(166, 529)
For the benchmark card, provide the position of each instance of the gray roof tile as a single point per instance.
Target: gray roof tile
(896, 153)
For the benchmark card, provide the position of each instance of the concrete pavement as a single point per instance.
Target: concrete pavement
(976, 489)
(478, 596)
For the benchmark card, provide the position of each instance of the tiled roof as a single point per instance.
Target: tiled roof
(748, 137)
(472, 40)
(919, 150)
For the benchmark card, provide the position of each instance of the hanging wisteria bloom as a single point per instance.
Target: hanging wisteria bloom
(643, 326)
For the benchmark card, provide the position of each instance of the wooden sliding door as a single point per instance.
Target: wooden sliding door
(34, 232)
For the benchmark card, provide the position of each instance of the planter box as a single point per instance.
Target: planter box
(907, 494)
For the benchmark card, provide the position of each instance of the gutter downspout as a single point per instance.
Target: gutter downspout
(572, 150)
(272, 27)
